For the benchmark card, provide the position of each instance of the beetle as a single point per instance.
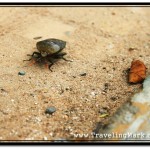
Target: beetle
(50, 50)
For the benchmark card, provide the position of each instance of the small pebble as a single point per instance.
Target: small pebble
(103, 111)
(113, 98)
(93, 93)
(38, 37)
(113, 13)
(106, 85)
(83, 74)
(103, 115)
(22, 73)
(3, 90)
(67, 33)
(67, 88)
(131, 49)
(45, 138)
(50, 110)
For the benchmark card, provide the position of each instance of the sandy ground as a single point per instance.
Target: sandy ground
(101, 42)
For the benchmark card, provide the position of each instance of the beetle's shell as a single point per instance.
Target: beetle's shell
(137, 72)
(50, 46)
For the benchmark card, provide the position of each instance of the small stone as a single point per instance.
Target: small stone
(131, 49)
(103, 115)
(67, 88)
(113, 98)
(4, 92)
(113, 13)
(38, 37)
(75, 118)
(93, 94)
(83, 74)
(51, 134)
(22, 73)
(106, 85)
(92, 23)
(104, 92)
(45, 138)
(31, 94)
(68, 33)
(103, 111)
(50, 110)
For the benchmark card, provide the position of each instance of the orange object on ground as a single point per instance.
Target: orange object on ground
(137, 71)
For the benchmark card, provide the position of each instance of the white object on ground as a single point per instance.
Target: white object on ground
(144, 95)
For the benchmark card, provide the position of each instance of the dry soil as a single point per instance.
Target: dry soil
(101, 42)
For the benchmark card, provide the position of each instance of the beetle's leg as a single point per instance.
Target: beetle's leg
(37, 53)
(32, 56)
(50, 67)
(28, 59)
(29, 55)
(65, 59)
(60, 56)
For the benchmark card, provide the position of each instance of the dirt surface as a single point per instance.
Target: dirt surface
(101, 42)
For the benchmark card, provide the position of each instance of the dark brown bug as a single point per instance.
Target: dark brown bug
(50, 50)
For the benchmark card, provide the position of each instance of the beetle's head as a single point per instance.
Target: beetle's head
(44, 54)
